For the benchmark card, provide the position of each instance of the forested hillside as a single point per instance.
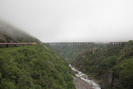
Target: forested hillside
(113, 66)
(70, 50)
(9, 33)
(31, 66)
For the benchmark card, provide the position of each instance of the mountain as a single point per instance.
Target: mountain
(31, 66)
(11, 34)
(113, 66)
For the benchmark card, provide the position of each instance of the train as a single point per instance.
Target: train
(3, 45)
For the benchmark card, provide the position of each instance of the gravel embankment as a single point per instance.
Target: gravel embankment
(81, 84)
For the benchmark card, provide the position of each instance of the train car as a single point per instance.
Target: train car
(3, 45)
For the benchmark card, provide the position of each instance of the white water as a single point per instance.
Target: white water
(80, 75)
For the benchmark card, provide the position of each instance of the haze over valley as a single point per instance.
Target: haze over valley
(71, 20)
(66, 44)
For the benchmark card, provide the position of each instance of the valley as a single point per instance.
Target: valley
(62, 65)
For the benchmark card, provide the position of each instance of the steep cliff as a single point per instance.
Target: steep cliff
(111, 66)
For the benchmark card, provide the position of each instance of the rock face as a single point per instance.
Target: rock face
(107, 80)
(113, 66)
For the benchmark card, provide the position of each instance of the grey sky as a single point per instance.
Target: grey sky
(71, 20)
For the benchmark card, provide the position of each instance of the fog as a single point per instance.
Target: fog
(71, 20)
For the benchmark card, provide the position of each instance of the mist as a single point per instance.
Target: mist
(11, 30)
(71, 20)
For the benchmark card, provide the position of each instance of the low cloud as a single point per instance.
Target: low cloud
(71, 20)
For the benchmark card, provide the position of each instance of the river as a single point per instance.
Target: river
(85, 78)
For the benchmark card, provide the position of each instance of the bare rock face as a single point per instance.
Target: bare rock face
(107, 80)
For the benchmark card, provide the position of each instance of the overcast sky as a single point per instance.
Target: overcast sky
(71, 20)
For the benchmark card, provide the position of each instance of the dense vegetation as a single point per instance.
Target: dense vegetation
(71, 51)
(33, 67)
(113, 66)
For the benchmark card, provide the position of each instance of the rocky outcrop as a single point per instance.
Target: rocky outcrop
(107, 80)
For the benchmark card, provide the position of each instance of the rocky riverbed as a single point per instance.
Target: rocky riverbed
(81, 84)
(82, 81)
